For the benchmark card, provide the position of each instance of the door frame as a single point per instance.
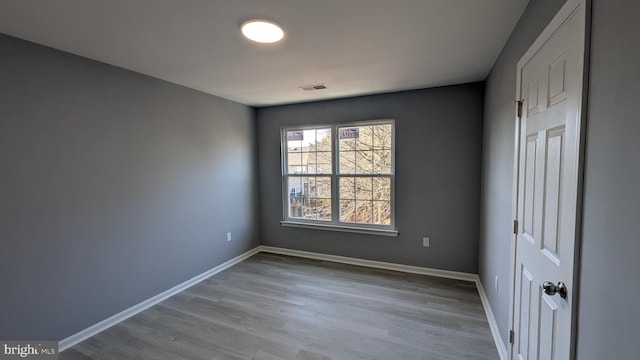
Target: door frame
(569, 8)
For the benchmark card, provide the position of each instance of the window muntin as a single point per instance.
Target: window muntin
(365, 200)
(309, 197)
(365, 173)
(308, 151)
(341, 174)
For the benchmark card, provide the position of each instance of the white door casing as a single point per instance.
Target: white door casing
(546, 183)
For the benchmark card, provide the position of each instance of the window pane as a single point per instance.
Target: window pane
(324, 164)
(382, 136)
(321, 187)
(372, 203)
(347, 162)
(364, 211)
(347, 188)
(297, 163)
(311, 162)
(364, 141)
(382, 161)
(319, 209)
(295, 196)
(347, 210)
(294, 141)
(363, 189)
(382, 212)
(382, 188)
(323, 140)
(309, 151)
(347, 138)
(309, 140)
(295, 207)
(364, 162)
(312, 208)
(295, 184)
(309, 197)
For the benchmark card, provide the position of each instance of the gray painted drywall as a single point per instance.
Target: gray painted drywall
(114, 187)
(609, 292)
(497, 167)
(438, 136)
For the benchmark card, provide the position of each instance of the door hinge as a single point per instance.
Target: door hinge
(515, 227)
(511, 336)
(519, 108)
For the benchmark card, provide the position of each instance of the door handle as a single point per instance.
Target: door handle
(552, 289)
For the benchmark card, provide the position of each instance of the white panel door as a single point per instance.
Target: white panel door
(550, 88)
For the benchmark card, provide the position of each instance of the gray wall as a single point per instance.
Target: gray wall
(609, 288)
(114, 187)
(609, 291)
(438, 136)
(497, 168)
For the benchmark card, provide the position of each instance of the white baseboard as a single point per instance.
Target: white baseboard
(372, 264)
(125, 314)
(493, 324)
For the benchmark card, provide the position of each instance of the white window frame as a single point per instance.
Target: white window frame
(335, 224)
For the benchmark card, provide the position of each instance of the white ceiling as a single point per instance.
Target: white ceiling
(354, 47)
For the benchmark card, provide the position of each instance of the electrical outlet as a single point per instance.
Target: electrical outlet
(496, 284)
(425, 241)
(228, 236)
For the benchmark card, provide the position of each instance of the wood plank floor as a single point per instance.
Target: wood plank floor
(280, 307)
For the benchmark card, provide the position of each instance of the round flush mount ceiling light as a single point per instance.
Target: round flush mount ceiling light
(262, 31)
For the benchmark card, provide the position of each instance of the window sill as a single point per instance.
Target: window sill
(342, 228)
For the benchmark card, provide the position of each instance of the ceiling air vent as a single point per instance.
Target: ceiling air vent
(313, 87)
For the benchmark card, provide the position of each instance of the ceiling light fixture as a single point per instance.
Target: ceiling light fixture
(262, 31)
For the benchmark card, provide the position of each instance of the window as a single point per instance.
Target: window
(340, 176)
